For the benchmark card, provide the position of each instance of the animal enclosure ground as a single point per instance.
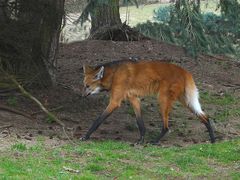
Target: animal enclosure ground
(218, 80)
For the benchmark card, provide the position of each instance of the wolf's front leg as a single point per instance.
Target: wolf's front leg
(108, 111)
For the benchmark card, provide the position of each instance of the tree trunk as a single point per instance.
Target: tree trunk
(106, 22)
(4, 12)
(105, 13)
(32, 38)
(49, 30)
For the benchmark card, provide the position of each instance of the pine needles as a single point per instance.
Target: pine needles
(184, 24)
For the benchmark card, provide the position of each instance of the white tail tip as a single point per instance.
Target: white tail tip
(192, 100)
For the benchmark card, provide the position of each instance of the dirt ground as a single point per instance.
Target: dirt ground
(216, 75)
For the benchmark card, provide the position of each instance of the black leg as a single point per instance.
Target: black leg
(162, 134)
(97, 123)
(108, 111)
(210, 131)
(141, 128)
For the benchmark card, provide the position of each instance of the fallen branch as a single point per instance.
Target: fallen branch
(65, 86)
(214, 57)
(53, 109)
(6, 126)
(7, 90)
(24, 92)
(27, 94)
(65, 118)
(231, 85)
(6, 108)
(71, 170)
(119, 32)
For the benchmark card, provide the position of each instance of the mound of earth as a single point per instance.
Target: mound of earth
(215, 75)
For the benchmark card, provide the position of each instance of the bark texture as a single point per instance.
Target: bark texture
(29, 39)
(105, 14)
(107, 25)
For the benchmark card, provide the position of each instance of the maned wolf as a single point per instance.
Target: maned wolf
(132, 79)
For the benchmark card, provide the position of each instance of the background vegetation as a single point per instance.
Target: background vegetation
(187, 25)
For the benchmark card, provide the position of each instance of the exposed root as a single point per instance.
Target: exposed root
(120, 32)
(9, 109)
(6, 126)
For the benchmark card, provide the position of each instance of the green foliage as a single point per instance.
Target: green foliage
(163, 14)
(50, 119)
(130, 111)
(225, 99)
(94, 167)
(227, 105)
(231, 18)
(12, 101)
(236, 175)
(185, 25)
(19, 147)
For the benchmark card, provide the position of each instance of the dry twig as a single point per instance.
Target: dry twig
(6, 108)
(6, 126)
(27, 94)
(24, 92)
(53, 109)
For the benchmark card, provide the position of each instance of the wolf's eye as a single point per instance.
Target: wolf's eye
(87, 86)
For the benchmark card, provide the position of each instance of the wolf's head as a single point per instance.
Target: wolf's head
(92, 80)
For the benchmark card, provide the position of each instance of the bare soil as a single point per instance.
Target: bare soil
(214, 74)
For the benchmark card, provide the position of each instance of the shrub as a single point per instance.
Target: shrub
(197, 32)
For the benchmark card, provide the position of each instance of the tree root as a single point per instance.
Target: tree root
(9, 109)
(53, 109)
(6, 126)
(120, 32)
(27, 94)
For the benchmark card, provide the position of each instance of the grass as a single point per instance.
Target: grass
(227, 105)
(146, 12)
(138, 15)
(12, 101)
(225, 99)
(111, 159)
(19, 147)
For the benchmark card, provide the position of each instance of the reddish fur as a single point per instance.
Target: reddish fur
(131, 80)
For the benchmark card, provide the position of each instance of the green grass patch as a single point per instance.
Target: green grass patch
(12, 101)
(227, 105)
(146, 12)
(130, 111)
(138, 15)
(19, 147)
(226, 99)
(227, 113)
(235, 175)
(110, 159)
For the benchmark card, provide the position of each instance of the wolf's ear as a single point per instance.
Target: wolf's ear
(99, 74)
(87, 69)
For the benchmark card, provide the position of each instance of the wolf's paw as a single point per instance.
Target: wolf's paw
(140, 141)
(155, 143)
(84, 138)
